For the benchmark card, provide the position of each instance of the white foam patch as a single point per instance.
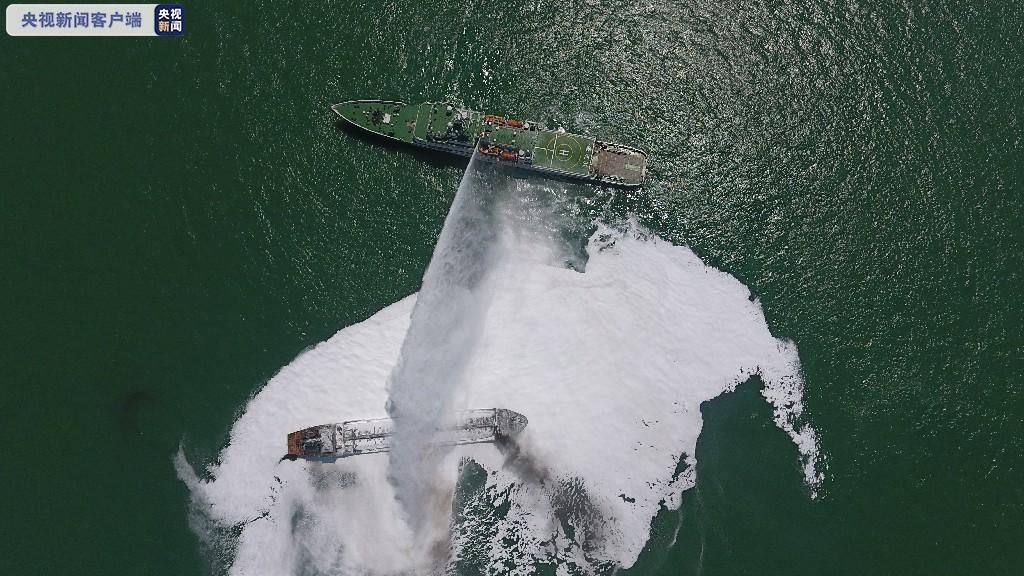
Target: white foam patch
(610, 366)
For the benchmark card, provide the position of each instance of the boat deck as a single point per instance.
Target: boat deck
(564, 152)
(329, 442)
(618, 161)
(556, 151)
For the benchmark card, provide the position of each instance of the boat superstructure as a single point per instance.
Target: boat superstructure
(526, 144)
(328, 442)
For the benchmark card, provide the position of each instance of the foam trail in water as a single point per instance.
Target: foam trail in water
(609, 365)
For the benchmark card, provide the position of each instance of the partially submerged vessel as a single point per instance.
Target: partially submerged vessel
(328, 442)
(524, 144)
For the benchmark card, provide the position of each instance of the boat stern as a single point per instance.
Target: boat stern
(315, 443)
(618, 165)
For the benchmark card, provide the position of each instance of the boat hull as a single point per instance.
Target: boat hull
(329, 442)
(527, 145)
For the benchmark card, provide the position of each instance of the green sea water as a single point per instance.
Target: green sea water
(179, 218)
